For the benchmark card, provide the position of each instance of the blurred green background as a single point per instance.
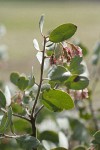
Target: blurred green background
(21, 21)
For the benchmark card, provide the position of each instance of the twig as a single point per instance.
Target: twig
(16, 115)
(22, 117)
(38, 111)
(12, 136)
(3, 110)
(41, 79)
(9, 136)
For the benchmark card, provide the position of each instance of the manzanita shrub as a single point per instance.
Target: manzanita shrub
(61, 89)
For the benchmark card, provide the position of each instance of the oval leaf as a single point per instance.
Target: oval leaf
(17, 108)
(28, 142)
(2, 99)
(58, 73)
(52, 107)
(76, 82)
(36, 45)
(58, 99)
(6, 121)
(75, 66)
(22, 83)
(14, 77)
(3, 123)
(49, 136)
(63, 32)
(31, 81)
(22, 126)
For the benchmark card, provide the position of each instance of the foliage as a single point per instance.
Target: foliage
(29, 117)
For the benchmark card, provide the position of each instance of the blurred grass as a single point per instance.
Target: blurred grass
(21, 20)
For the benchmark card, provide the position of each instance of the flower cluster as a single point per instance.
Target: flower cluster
(79, 94)
(70, 51)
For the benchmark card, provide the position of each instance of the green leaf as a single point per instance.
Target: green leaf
(3, 124)
(63, 32)
(14, 77)
(6, 121)
(75, 66)
(49, 136)
(26, 99)
(3, 121)
(52, 84)
(41, 23)
(97, 136)
(57, 99)
(58, 74)
(76, 82)
(22, 83)
(75, 61)
(45, 86)
(17, 108)
(59, 148)
(31, 81)
(2, 99)
(22, 126)
(28, 142)
(80, 148)
(49, 52)
(51, 106)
